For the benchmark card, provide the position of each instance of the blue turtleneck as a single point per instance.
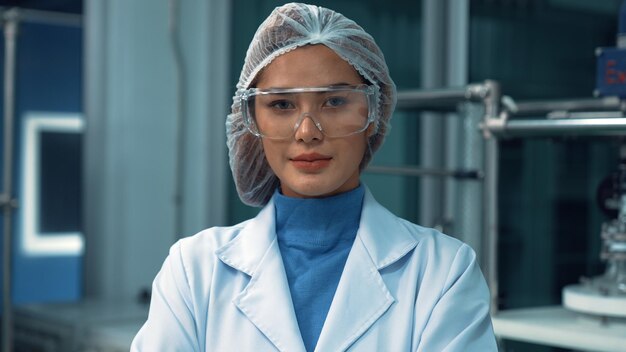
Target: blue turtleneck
(315, 236)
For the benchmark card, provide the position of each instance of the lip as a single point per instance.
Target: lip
(311, 157)
(311, 161)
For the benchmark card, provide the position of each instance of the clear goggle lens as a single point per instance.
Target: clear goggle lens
(337, 111)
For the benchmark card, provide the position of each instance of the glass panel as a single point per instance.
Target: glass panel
(60, 164)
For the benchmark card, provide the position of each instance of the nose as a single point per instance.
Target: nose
(308, 130)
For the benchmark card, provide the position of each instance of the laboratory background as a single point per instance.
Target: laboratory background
(509, 134)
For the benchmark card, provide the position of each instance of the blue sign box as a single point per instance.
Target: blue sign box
(611, 74)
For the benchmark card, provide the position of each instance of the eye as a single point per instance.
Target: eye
(281, 105)
(335, 102)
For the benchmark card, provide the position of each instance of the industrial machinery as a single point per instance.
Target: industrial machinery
(605, 295)
(593, 313)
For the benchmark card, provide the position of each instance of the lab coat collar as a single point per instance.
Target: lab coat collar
(361, 297)
(247, 249)
(266, 300)
(384, 236)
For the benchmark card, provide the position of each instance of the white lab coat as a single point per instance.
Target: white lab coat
(403, 288)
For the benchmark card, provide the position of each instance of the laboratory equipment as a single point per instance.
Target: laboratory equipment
(569, 325)
(605, 295)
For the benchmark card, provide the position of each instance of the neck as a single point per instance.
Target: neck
(322, 221)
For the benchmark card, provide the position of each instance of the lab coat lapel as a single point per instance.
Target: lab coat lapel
(266, 300)
(362, 297)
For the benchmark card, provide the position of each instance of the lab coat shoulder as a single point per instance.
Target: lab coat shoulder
(440, 250)
(389, 237)
(198, 252)
(433, 276)
(452, 303)
(177, 305)
(209, 240)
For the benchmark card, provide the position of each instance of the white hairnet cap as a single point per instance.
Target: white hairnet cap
(288, 27)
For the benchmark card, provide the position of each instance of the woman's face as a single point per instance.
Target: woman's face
(310, 164)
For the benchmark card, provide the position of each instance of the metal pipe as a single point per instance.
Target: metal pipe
(468, 204)
(420, 171)
(426, 99)
(490, 197)
(492, 99)
(45, 17)
(431, 124)
(543, 127)
(94, 156)
(455, 139)
(556, 115)
(430, 97)
(490, 192)
(544, 107)
(8, 203)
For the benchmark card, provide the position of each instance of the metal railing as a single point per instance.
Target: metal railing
(585, 117)
(580, 117)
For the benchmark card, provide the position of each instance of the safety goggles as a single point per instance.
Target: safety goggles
(337, 111)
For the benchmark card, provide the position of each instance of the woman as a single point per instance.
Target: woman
(323, 266)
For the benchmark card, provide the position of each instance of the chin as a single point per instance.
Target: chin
(315, 189)
(311, 190)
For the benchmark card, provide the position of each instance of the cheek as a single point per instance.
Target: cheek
(272, 152)
(355, 150)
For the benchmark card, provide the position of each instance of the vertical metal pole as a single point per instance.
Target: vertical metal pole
(455, 138)
(490, 195)
(431, 124)
(469, 203)
(220, 15)
(10, 33)
(95, 158)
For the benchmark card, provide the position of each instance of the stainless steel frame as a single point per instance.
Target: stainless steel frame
(541, 107)
(537, 127)
(490, 191)
(450, 99)
(433, 42)
(441, 99)
(498, 124)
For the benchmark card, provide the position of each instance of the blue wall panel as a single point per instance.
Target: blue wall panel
(49, 82)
